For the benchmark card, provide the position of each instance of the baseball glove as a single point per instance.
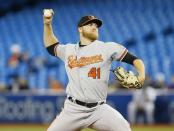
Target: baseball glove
(126, 79)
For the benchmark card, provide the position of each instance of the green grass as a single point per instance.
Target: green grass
(153, 128)
(43, 128)
(23, 129)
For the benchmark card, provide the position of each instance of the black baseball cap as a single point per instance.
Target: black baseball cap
(89, 19)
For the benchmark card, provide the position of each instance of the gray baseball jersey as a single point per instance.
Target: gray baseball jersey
(88, 68)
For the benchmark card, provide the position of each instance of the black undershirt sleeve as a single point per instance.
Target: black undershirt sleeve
(129, 58)
(51, 49)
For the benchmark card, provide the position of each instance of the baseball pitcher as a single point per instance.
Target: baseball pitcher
(88, 65)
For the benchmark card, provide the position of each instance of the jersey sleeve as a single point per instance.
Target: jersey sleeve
(116, 51)
(60, 51)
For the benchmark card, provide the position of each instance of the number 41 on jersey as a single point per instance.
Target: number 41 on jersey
(94, 73)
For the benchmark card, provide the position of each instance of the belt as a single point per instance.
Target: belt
(89, 105)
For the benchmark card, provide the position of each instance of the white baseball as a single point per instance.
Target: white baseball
(47, 13)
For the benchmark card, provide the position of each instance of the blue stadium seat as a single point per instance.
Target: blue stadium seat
(122, 21)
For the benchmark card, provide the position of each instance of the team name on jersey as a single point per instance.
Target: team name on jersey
(83, 61)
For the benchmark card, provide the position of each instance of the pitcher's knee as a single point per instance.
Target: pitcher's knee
(128, 127)
(122, 126)
(49, 129)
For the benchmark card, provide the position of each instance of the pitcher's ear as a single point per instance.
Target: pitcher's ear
(80, 29)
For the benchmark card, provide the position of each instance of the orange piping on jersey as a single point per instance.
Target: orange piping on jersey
(55, 48)
(83, 61)
(123, 55)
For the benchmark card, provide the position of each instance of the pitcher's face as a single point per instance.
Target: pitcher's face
(90, 31)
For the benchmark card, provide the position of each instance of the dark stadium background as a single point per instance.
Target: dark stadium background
(33, 83)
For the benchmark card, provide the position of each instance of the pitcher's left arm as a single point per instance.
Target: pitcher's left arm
(137, 63)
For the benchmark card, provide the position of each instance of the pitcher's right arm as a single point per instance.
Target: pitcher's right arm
(50, 40)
